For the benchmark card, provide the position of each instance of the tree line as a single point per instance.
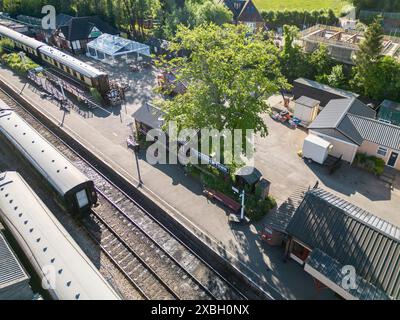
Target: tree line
(132, 15)
(374, 76)
(385, 5)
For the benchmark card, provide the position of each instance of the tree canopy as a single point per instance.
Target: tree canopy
(228, 75)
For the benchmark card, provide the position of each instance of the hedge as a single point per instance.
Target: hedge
(301, 19)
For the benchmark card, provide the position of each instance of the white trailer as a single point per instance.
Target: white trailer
(316, 149)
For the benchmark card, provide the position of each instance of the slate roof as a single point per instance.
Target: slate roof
(335, 115)
(62, 19)
(79, 28)
(352, 236)
(150, 116)
(383, 134)
(332, 269)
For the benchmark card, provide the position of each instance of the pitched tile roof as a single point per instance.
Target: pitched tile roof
(244, 10)
(352, 236)
(79, 28)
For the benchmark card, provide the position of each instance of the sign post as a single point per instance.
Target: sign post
(242, 197)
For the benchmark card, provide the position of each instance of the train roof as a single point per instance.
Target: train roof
(70, 61)
(53, 165)
(53, 252)
(25, 40)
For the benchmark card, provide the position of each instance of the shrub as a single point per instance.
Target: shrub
(371, 164)
(14, 61)
(96, 95)
(256, 208)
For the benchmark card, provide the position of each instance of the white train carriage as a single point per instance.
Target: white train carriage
(65, 270)
(78, 69)
(73, 187)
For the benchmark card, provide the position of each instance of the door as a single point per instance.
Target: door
(393, 159)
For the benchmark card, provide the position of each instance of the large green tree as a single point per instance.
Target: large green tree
(228, 73)
(367, 59)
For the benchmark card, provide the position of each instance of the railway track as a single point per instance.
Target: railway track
(156, 262)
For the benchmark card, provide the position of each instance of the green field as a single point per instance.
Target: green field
(336, 5)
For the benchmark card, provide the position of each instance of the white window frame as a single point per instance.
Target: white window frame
(252, 25)
(382, 151)
(82, 198)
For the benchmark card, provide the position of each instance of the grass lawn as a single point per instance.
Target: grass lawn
(336, 5)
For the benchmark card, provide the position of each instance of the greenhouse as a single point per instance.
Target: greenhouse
(110, 48)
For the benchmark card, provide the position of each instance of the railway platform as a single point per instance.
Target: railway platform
(105, 135)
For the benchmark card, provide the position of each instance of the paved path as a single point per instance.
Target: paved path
(105, 134)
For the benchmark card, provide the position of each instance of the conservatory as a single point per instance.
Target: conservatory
(110, 49)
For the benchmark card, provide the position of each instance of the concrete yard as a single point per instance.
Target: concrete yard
(276, 156)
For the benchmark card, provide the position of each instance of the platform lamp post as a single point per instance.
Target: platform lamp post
(135, 147)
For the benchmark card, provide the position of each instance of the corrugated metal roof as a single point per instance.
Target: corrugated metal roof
(11, 270)
(378, 132)
(279, 219)
(332, 269)
(352, 236)
(334, 116)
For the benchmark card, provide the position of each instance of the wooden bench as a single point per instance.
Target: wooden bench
(225, 200)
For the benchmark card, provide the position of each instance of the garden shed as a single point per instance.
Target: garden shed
(110, 48)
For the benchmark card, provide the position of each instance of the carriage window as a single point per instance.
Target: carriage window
(82, 199)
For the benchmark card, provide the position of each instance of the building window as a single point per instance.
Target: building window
(382, 151)
(252, 26)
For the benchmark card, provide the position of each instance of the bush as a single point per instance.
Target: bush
(96, 95)
(256, 209)
(14, 61)
(371, 164)
(275, 19)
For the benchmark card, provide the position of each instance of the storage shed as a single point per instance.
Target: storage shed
(109, 48)
(306, 109)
